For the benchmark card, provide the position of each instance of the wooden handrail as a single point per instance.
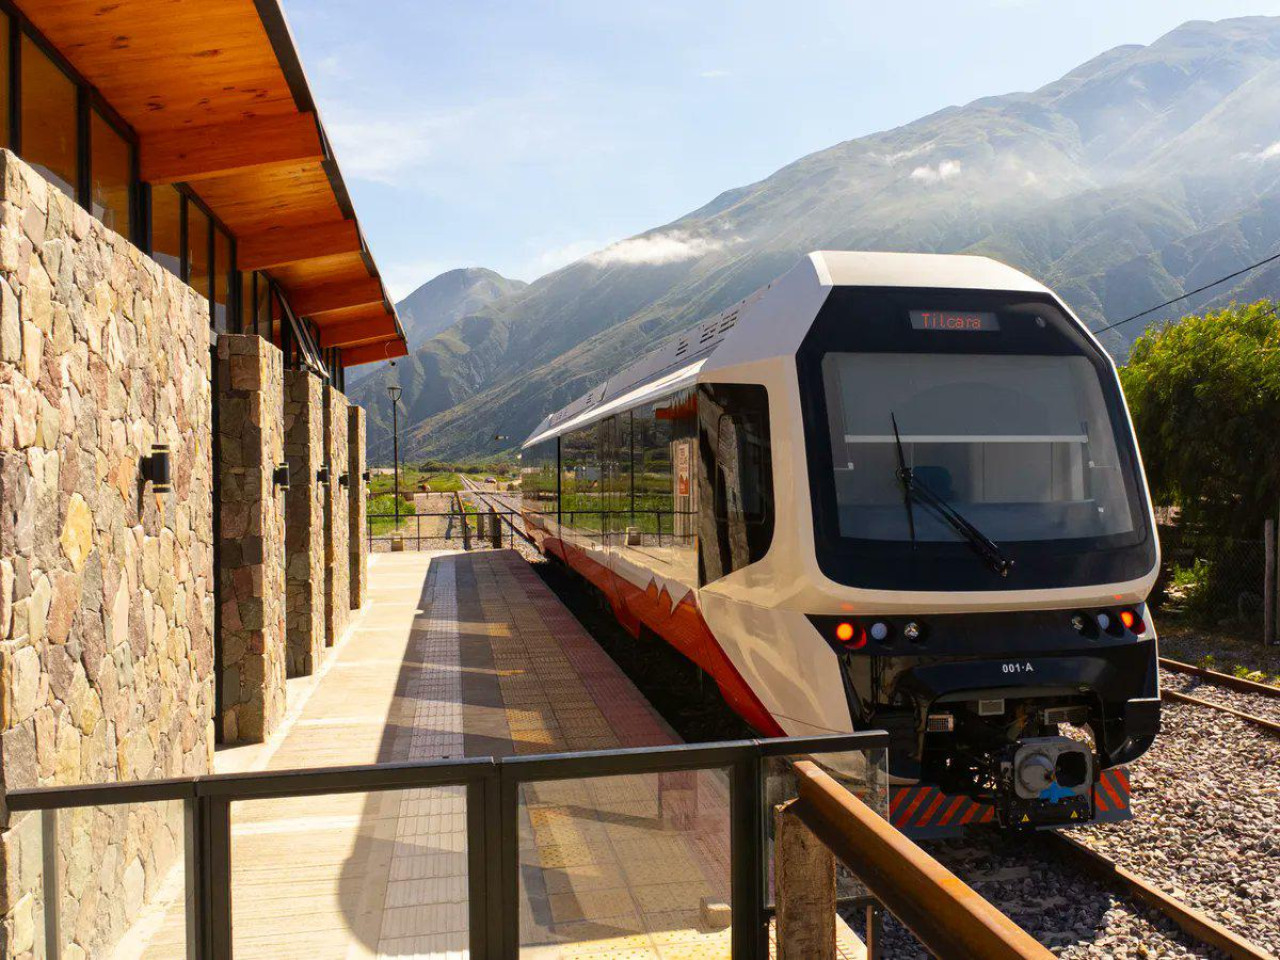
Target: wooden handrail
(948, 916)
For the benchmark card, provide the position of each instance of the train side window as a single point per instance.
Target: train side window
(736, 519)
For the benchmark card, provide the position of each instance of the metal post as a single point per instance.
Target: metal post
(393, 391)
(1269, 578)
(395, 448)
(52, 889)
(875, 929)
(507, 861)
(749, 936)
(213, 823)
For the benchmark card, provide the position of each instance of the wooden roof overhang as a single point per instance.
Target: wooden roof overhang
(216, 93)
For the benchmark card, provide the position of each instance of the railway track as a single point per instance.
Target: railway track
(1192, 922)
(1255, 703)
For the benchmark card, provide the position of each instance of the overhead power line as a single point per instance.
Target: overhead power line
(1191, 293)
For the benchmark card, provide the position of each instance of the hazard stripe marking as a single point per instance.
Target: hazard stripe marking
(950, 811)
(898, 795)
(1111, 794)
(906, 817)
(924, 817)
(988, 815)
(970, 813)
(1122, 776)
(1100, 800)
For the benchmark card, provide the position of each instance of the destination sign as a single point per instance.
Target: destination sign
(956, 320)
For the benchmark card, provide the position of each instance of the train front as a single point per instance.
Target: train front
(985, 545)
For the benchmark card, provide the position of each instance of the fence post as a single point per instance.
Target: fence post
(749, 935)
(804, 872)
(1269, 579)
(52, 890)
(495, 528)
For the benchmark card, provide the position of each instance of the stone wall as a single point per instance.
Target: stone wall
(357, 499)
(304, 520)
(106, 602)
(251, 545)
(337, 558)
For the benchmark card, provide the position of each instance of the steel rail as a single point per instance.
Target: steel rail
(1190, 920)
(1222, 679)
(1174, 696)
(946, 915)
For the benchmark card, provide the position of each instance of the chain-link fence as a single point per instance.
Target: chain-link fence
(1212, 580)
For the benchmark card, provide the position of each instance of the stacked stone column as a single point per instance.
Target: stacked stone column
(337, 559)
(251, 538)
(357, 464)
(106, 599)
(304, 521)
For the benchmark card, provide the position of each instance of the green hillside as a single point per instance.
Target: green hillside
(1135, 177)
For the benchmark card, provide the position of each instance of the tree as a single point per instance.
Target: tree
(1204, 392)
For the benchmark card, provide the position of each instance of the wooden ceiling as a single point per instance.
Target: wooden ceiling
(218, 98)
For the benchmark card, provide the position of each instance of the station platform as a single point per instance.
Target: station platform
(464, 655)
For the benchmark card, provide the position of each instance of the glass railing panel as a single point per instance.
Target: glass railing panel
(635, 866)
(118, 877)
(864, 773)
(382, 873)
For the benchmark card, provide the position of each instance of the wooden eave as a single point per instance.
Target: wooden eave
(218, 99)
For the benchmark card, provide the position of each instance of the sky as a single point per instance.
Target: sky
(520, 135)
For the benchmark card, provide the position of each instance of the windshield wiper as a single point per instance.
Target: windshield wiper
(913, 488)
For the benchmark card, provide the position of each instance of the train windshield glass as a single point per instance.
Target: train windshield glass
(1023, 446)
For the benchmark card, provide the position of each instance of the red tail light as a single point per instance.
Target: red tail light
(1133, 622)
(851, 635)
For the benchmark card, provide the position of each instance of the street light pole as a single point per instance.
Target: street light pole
(393, 391)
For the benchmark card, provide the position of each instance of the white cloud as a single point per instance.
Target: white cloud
(672, 246)
(1262, 156)
(714, 74)
(946, 170)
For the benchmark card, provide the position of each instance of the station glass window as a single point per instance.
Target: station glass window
(49, 118)
(111, 172)
(198, 251)
(263, 310)
(222, 269)
(6, 25)
(244, 303)
(166, 228)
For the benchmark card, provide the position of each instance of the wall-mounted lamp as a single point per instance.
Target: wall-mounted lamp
(322, 475)
(344, 479)
(280, 476)
(366, 476)
(157, 469)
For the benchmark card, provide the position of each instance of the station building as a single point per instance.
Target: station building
(183, 282)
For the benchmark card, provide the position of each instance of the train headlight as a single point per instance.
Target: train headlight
(879, 630)
(912, 631)
(1104, 621)
(1079, 623)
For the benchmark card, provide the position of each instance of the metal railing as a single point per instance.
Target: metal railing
(492, 827)
(452, 530)
(650, 527)
(946, 915)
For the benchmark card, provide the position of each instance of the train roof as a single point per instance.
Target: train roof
(676, 362)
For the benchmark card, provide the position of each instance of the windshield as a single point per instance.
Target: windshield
(1022, 446)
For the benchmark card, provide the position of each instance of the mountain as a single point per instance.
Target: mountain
(1139, 175)
(441, 302)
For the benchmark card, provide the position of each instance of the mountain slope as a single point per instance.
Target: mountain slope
(440, 303)
(1137, 176)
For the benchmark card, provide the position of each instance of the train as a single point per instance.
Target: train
(886, 491)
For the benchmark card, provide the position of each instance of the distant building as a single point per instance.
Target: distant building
(183, 284)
